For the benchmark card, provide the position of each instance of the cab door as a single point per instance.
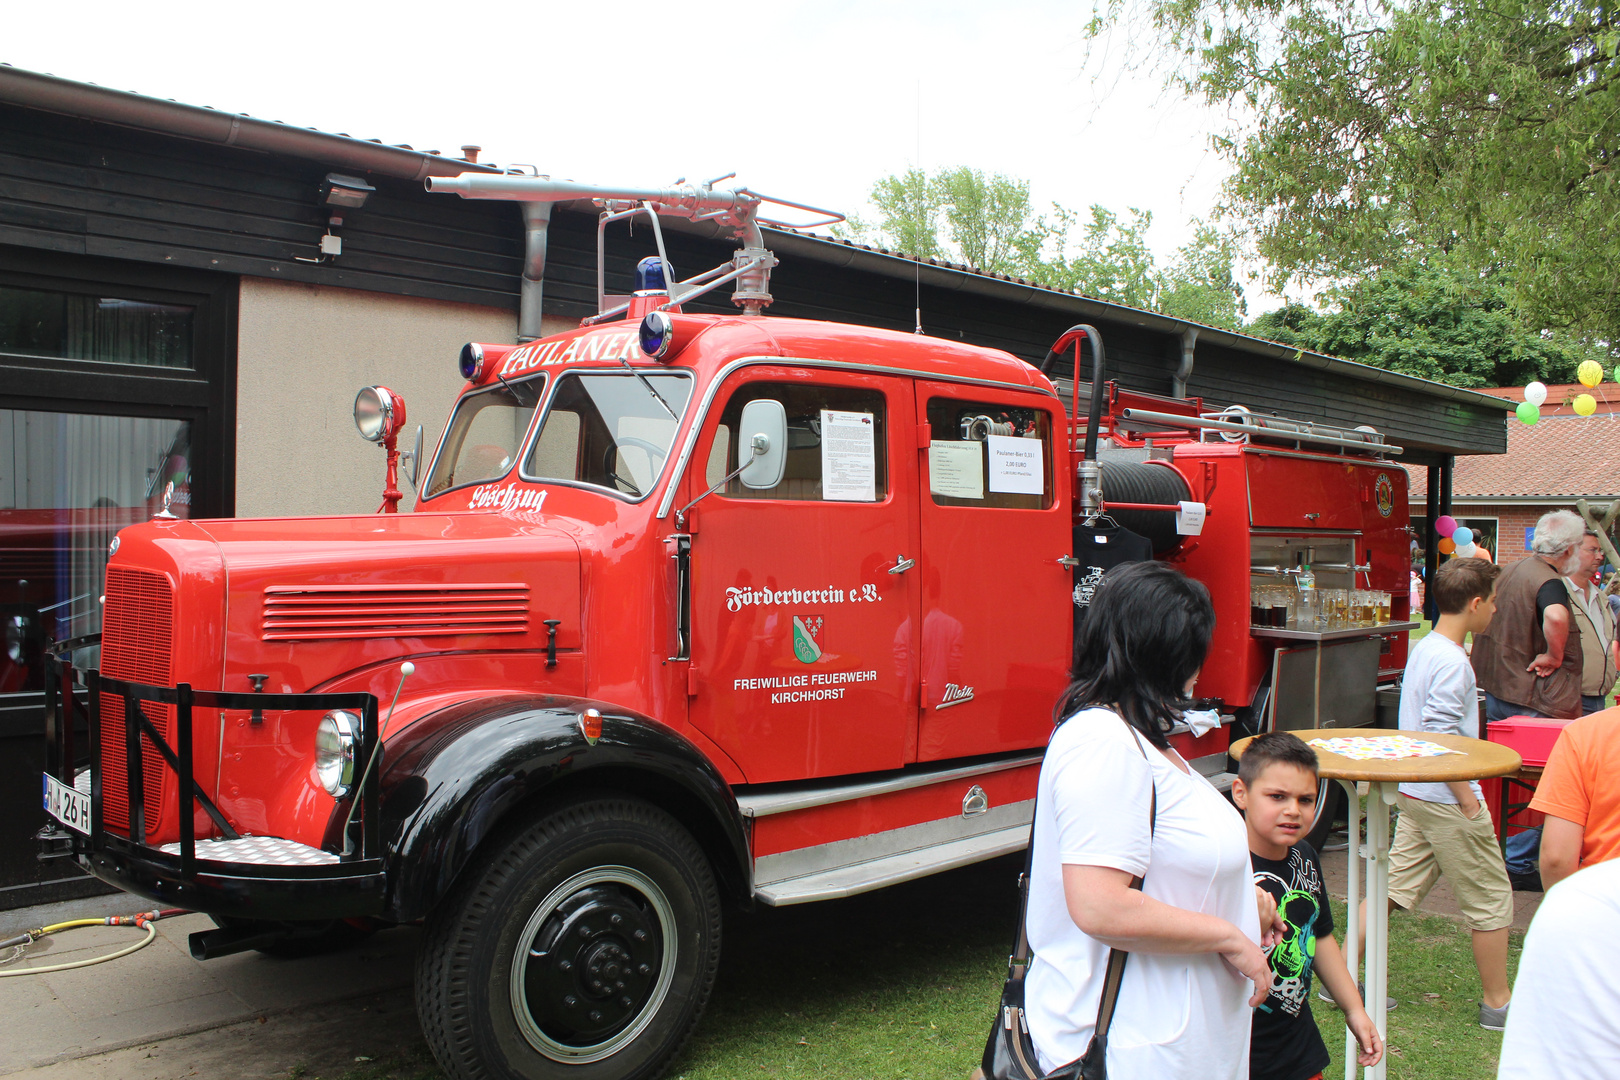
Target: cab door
(993, 648)
(802, 594)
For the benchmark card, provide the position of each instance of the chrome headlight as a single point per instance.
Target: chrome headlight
(335, 740)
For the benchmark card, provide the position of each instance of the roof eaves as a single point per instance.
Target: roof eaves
(65, 97)
(956, 277)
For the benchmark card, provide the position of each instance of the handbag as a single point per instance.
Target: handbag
(1009, 1052)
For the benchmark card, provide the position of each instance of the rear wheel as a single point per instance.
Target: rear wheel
(585, 947)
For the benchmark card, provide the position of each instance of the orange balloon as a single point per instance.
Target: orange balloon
(1446, 545)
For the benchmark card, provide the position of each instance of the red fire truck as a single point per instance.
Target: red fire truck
(690, 609)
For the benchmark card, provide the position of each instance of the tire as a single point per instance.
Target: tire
(1329, 807)
(584, 947)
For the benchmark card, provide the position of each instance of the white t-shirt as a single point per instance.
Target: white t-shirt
(1439, 694)
(1178, 1015)
(1567, 995)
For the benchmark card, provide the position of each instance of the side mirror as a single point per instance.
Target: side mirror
(414, 457)
(762, 432)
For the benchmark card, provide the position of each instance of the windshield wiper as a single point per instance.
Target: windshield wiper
(651, 390)
(510, 389)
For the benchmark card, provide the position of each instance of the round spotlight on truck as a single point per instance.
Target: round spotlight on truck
(379, 413)
(335, 740)
(471, 361)
(657, 334)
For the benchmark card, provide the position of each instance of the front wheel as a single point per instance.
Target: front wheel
(584, 947)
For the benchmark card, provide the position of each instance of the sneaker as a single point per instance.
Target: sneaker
(1321, 992)
(1530, 882)
(1493, 1019)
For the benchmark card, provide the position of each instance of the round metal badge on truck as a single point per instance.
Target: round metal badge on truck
(1384, 495)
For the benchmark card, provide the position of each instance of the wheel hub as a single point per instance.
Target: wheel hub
(591, 965)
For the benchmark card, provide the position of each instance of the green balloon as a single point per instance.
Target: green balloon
(1527, 412)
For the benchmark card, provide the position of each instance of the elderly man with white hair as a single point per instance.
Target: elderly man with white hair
(1529, 661)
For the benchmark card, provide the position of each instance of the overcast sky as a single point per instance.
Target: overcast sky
(809, 101)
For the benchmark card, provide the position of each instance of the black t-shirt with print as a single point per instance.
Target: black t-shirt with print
(1098, 549)
(1286, 1044)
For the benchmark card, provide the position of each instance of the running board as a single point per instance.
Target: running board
(849, 867)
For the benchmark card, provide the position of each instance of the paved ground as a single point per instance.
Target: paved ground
(158, 1014)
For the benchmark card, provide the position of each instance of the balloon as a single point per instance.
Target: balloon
(1590, 373)
(1528, 412)
(1535, 394)
(1446, 545)
(1462, 536)
(1585, 404)
(1468, 552)
(1445, 524)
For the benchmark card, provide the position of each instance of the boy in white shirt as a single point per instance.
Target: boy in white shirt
(1445, 828)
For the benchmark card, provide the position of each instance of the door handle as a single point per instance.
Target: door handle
(1068, 562)
(902, 565)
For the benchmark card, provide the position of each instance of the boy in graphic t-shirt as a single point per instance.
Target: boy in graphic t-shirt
(1276, 790)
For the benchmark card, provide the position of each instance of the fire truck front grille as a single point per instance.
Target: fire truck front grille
(137, 638)
(306, 612)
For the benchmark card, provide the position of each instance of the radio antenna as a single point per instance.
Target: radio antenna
(916, 260)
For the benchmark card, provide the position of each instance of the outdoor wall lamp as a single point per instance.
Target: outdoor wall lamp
(346, 192)
(339, 193)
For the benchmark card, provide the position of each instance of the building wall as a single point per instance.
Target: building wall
(1512, 519)
(304, 351)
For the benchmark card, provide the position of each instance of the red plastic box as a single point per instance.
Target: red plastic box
(1533, 737)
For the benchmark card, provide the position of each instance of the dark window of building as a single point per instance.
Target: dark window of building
(109, 329)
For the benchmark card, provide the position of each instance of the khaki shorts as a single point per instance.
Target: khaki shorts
(1435, 838)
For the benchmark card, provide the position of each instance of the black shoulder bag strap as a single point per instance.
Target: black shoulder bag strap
(1091, 1064)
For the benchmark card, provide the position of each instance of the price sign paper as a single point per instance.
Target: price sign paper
(1016, 465)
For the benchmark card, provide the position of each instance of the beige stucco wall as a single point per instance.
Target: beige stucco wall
(303, 351)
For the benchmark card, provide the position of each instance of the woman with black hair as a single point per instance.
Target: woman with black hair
(1115, 803)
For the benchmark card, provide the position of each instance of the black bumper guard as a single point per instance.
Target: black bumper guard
(350, 885)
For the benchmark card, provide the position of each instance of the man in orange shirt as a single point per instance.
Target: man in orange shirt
(1580, 794)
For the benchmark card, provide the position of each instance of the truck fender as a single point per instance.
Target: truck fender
(454, 777)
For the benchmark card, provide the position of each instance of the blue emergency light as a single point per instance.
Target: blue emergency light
(471, 362)
(650, 276)
(657, 333)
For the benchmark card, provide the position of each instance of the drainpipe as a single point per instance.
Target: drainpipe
(536, 222)
(1178, 381)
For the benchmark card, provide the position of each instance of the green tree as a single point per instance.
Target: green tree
(990, 224)
(1370, 134)
(1432, 320)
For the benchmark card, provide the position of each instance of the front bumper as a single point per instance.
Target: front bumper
(247, 877)
(248, 890)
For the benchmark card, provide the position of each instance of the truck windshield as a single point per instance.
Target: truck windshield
(484, 435)
(610, 429)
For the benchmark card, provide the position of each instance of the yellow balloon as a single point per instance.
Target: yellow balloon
(1585, 404)
(1590, 373)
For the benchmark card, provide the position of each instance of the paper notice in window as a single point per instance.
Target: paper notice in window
(848, 456)
(1016, 466)
(956, 469)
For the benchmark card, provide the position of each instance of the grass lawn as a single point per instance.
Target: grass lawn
(901, 984)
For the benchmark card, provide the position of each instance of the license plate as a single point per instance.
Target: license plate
(68, 805)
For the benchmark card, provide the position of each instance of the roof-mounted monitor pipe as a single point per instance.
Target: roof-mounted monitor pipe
(737, 208)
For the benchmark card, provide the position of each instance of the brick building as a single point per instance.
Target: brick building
(1547, 466)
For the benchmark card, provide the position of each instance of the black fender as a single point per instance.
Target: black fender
(455, 776)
